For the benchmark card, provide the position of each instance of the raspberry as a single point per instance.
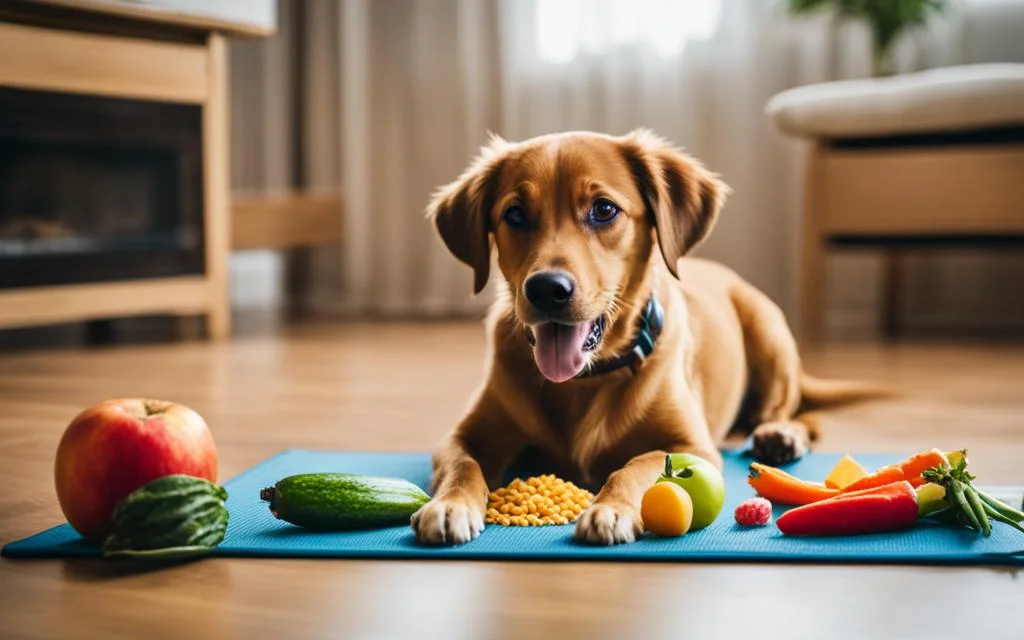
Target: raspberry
(754, 512)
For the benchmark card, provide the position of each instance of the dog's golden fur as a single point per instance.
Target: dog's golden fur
(725, 348)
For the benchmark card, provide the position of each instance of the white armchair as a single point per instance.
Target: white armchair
(925, 160)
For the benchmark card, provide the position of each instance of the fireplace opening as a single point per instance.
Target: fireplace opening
(97, 189)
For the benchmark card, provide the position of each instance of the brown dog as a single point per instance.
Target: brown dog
(606, 353)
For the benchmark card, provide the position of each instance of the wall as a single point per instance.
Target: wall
(759, 231)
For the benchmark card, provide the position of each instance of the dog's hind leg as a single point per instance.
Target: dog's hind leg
(773, 363)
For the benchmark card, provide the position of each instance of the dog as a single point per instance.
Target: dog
(608, 348)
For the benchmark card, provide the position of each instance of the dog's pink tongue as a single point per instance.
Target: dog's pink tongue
(558, 349)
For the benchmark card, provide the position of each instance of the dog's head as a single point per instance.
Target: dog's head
(575, 218)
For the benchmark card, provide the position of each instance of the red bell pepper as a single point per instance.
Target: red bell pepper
(887, 508)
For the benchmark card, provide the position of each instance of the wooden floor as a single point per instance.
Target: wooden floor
(401, 386)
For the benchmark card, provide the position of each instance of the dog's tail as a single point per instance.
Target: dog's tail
(819, 393)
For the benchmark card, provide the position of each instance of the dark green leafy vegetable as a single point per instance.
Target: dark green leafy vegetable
(968, 506)
(171, 518)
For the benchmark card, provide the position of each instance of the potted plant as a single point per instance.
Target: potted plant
(887, 19)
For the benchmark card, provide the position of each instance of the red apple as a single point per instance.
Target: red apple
(115, 447)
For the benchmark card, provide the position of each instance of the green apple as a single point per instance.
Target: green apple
(702, 480)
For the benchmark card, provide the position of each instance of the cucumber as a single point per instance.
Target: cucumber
(343, 501)
(170, 518)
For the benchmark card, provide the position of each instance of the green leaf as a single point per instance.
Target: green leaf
(887, 19)
(808, 6)
(170, 517)
(166, 554)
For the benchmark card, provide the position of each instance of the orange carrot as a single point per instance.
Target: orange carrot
(909, 469)
(918, 463)
(780, 487)
(882, 477)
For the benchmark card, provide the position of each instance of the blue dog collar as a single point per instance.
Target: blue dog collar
(650, 325)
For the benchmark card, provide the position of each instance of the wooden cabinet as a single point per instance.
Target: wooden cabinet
(142, 52)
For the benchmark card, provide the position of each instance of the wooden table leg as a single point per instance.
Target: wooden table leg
(813, 263)
(892, 281)
(217, 205)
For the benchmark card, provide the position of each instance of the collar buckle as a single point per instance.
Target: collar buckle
(651, 322)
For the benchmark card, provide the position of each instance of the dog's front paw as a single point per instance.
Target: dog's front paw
(777, 443)
(447, 521)
(609, 523)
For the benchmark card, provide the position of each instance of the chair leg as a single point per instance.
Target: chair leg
(812, 276)
(298, 275)
(892, 285)
(813, 295)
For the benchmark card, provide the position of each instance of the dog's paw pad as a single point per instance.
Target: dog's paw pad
(442, 522)
(606, 524)
(777, 443)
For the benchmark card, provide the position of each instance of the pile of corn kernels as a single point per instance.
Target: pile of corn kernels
(537, 501)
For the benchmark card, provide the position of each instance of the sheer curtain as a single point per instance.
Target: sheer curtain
(698, 73)
(395, 96)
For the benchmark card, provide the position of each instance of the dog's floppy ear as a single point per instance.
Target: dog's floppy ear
(460, 211)
(682, 197)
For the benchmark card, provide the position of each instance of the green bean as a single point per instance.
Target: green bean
(995, 515)
(957, 493)
(979, 510)
(1001, 507)
(945, 514)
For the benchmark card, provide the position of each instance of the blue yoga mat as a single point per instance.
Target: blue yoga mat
(254, 532)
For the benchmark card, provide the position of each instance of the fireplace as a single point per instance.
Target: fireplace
(114, 170)
(98, 189)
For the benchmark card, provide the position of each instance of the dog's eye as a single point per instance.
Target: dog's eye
(515, 217)
(603, 211)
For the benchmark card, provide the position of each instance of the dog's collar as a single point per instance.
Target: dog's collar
(651, 322)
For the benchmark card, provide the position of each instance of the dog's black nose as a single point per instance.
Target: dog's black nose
(549, 290)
